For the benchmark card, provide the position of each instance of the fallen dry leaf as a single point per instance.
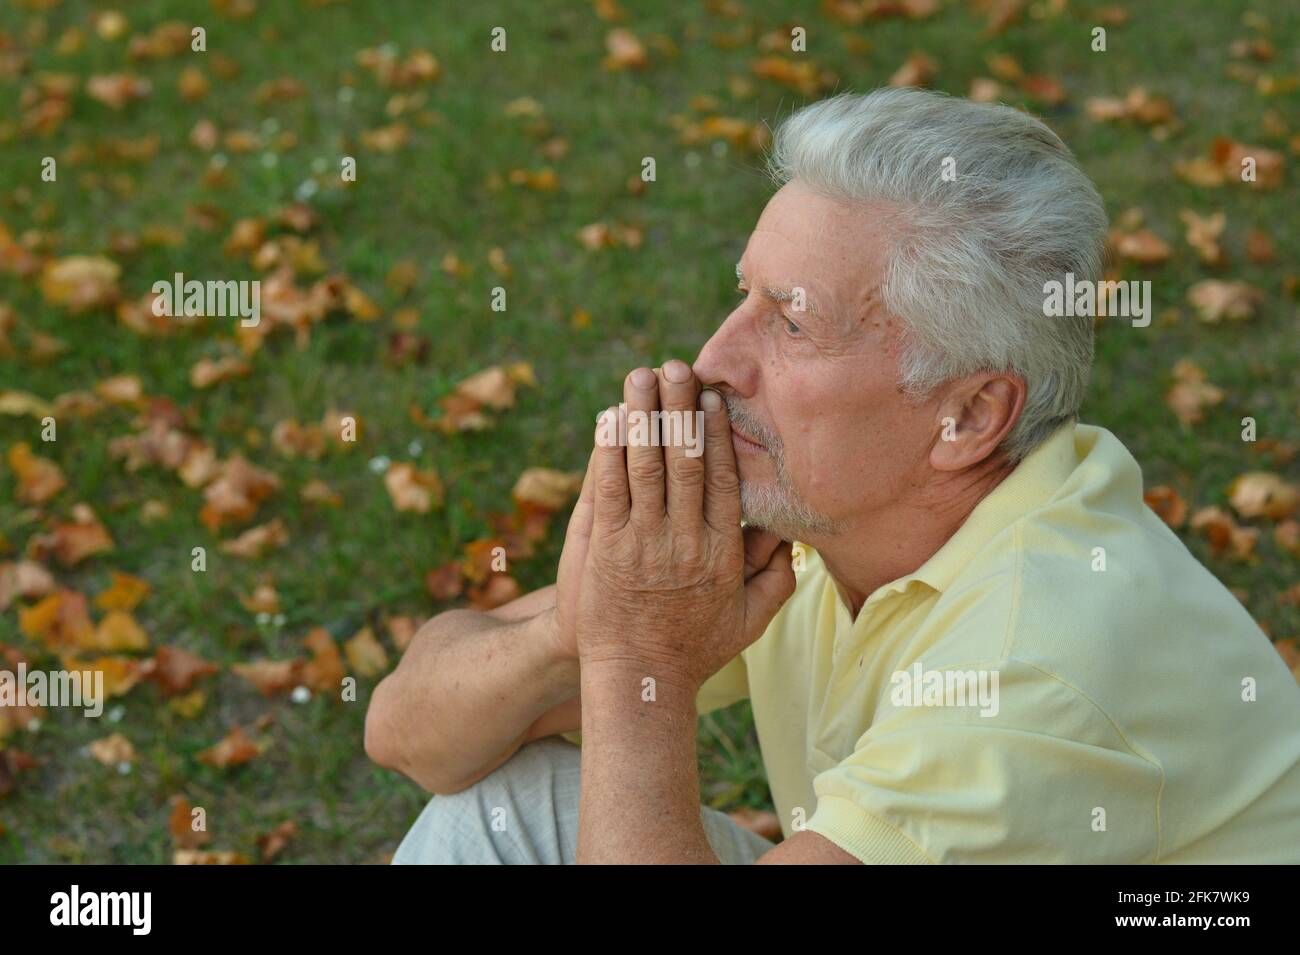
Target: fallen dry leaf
(112, 750)
(180, 823)
(411, 489)
(1226, 537)
(365, 654)
(1168, 504)
(1191, 393)
(1215, 300)
(1261, 494)
(234, 749)
(39, 479)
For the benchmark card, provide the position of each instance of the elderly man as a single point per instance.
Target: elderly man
(964, 636)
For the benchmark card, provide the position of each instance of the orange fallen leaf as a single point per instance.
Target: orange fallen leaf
(624, 51)
(547, 489)
(124, 593)
(917, 70)
(115, 90)
(1261, 494)
(1142, 246)
(270, 677)
(272, 843)
(1191, 393)
(39, 479)
(208, 372)
(208, 857)
(180, 823)
(175, 669)
(255, 541)
(234, 749)
(365, 654)
(112, 750)
(497, 590)
(411, 489)
(235, 495)
(1226, 537)
(1168, 504)
(325, 671)
(116, 632)
(80, 282)
(59, 620)
(1214, 300)
(24, 578)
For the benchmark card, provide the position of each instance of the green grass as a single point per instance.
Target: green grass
(348, 567)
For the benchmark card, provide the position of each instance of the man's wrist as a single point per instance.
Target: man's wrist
(558, 669)
(631, 683)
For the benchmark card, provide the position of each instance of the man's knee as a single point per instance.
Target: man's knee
(517, 813)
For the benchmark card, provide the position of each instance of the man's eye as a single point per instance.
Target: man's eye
(792, 328)
(742, 292)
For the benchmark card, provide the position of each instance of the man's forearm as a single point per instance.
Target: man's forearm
(467, 689)
(640, 779)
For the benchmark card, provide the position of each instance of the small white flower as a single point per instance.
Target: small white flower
(263, 618)
(116, 713)
(415, 447)
(124, 768)
(379, 464)
(300, 694)
(270, 160)
(306, 189)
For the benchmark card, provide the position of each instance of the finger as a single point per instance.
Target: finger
(645, 459)
(612, 505)
(721, 483)
(759, 546)
(682, 437)
(578, 533)
(767, 590)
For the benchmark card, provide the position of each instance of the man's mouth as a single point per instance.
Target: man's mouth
(745, 444)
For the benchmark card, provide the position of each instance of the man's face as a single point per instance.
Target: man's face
(823, 434)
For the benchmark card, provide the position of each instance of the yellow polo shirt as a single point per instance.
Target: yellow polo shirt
(1061, 682)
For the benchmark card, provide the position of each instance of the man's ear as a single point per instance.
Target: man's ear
(975, 417)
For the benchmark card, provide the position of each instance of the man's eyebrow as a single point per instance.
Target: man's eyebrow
(780, 295)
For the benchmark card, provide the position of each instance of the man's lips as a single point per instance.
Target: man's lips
(745, 444)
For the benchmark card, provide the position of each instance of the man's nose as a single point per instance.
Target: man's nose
(725, 359)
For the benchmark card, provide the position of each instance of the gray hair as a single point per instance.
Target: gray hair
(971, 256)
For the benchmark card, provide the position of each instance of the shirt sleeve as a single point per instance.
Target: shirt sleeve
(1039, 775)
(729, 685)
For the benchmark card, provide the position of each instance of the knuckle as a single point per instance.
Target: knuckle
(646, 469)
(610, 486)
(686, 468)
(724, 480)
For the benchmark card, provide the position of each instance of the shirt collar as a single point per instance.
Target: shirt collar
(1035, 480)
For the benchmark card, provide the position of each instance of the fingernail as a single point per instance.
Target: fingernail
(710, 400)
(643, 378)
(677, 371)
